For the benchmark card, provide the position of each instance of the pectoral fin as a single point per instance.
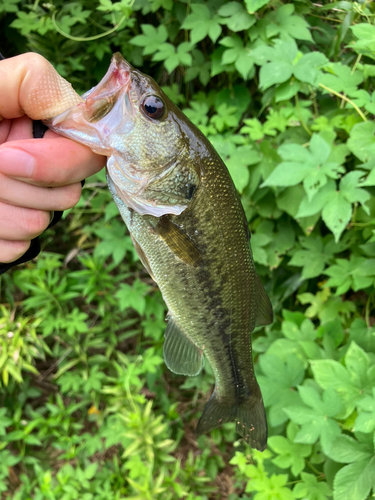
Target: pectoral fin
(178, 241)
(142, 257)
(265, 313)
(180, 354)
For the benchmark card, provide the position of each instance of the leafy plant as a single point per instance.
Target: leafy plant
(285, 93)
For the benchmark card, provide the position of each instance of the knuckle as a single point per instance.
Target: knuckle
(3, 185)
(48, 171)
(36, 60)
(12, 250)
(36, 222)
(71, 196)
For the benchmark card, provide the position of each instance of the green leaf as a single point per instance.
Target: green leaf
(310, 489)
(336, 214)
(132, 296)
(283, 22)
(236, 18)
(312, 166)
(151, 39)
(365, 422)
(354, 481)
(362, 140)
(278, 385)
(238, 54)
(309, 207)
(202, 23)
(365, 44)
(274, 72)
(9, 6)
(307, 68)
(347, 450)
(341, 78)
(359, 274)
(313, 259)
(351, 190)
(315, 417)
(346, 381)
(290, 455)
(254, 5)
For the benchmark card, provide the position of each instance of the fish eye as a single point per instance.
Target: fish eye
(153, 107)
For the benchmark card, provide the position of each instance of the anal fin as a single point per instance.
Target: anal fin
(181, 355)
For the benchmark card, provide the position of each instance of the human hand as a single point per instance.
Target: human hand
(37, 176)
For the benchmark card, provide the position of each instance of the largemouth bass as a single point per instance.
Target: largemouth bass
(188, 226)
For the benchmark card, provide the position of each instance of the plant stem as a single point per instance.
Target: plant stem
(341, 96)
(88, 38)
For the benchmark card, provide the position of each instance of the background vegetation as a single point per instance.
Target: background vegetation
(285, 92)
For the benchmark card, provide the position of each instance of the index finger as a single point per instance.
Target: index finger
(33, 87)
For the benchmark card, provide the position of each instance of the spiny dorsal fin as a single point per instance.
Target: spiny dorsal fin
(180, 354)
(178, 241)
(265, 313)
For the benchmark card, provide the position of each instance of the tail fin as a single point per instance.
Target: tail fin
(249, 416)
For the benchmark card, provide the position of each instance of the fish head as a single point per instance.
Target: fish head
(152, 165)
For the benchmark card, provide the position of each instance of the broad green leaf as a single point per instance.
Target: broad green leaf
(351, 190)
(341, 78)
(365, 32)
(276, 384)
(238, 54)
(362, 140)
(202, 22)
(309, 207)
(236, 18)
(132, 296)
(283, 21)
(313, 259)
(315, 417)
(346, 450)
(354, 481)
(151, 39)
(274, 72)
(365, 422)
(357, 362)
(307, 68)
(254, 5)
(336, 214)
(290, 455)
(345, 380)
(357, 273)
(310, 489)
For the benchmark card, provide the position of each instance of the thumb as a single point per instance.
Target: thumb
(30, 85)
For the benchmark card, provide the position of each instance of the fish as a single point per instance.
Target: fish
(189, 228)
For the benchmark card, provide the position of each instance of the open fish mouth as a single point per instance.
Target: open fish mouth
(100, 100)
(91, 121)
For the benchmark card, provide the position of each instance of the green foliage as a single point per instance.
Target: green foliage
(285, 93)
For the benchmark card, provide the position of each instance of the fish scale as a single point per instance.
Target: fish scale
(187, 223)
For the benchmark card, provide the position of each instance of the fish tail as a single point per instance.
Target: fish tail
(249, 415)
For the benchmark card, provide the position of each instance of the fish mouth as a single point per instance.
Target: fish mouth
(100, 100)
(91, 122)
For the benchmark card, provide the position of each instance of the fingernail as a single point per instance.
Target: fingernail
(16, 163)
